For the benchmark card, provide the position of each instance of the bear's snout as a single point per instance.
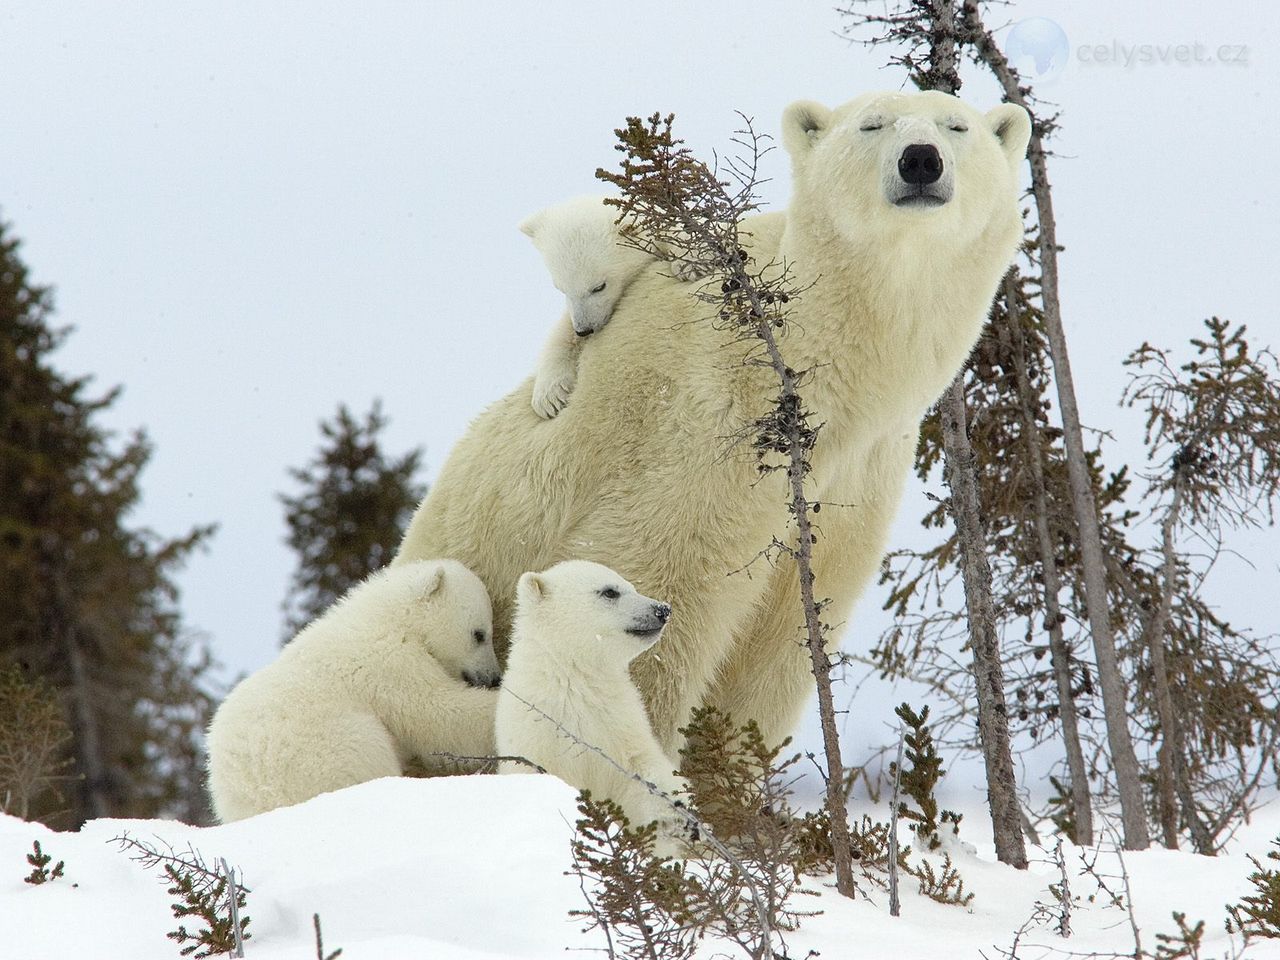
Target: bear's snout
(483, 679)
(651, 622)
(920, 163)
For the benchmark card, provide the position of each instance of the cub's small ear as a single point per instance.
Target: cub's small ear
(531, 587)
(434, 581)
(1012, 126)
(530, 225)
(802, 124)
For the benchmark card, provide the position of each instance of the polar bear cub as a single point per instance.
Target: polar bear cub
(581, 243)
(401, 667)
(577, 628)
(579, 240)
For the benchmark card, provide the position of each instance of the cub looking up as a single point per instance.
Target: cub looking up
(566, 690)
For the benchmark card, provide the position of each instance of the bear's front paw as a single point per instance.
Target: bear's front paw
(688, 825)
(677, 833)
(551, 389)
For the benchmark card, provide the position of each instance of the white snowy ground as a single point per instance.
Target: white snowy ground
(472, 868)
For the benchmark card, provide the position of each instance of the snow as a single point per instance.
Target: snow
(473, 868)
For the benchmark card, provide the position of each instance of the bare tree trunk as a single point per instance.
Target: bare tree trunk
(85, 724)
(1173, 785)
(895, 905)
(699, 208)
(988, 671)
(1166, 756)
(841, 845)
(83, 718)
(1059, 653)
(1114, 700)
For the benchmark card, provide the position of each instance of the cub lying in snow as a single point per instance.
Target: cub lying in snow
(581, 244)
(401, 667)
(566, 689)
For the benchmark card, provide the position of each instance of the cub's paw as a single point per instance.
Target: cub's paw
(688, 828)
(551, 389)
(677, 833)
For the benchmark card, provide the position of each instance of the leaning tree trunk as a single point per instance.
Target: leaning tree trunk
(1059, 652)
(1114, 700)
(988, 671)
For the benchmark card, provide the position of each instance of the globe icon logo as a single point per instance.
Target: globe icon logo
(1037, 48)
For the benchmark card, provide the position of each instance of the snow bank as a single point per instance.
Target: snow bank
(472, 868)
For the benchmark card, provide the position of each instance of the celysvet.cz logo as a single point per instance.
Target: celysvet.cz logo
(1039, 50)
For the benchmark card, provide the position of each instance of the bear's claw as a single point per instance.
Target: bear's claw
(551, 391)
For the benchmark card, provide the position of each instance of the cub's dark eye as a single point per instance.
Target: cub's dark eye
(610, 593)
(869, 125)
(600, 289)
(958, 127)
(479, 635)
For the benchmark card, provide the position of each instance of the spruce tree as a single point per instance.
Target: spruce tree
(87, 602)
(350, 513)
(1208, 689)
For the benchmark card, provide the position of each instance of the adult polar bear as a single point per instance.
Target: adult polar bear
(904, 216)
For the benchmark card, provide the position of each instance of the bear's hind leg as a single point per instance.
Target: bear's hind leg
(314, 757)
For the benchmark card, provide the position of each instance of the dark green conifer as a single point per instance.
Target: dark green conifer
(349, 514)
(87, 601)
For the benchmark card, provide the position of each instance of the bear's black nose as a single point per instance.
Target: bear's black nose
(662, 611)
(920, 163)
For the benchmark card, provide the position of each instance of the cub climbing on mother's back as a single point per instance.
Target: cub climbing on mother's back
(592, 263)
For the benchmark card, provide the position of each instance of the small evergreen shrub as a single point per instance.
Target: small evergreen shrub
(39, 861)
(1258, 915)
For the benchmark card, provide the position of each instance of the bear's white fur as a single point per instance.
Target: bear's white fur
(401, 667)
(581, 243)
(636, 472)
(567, 689)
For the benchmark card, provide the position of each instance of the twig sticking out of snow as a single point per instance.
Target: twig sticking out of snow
(489, 764)
(320, 954)
(1063, 892)
(232, 890)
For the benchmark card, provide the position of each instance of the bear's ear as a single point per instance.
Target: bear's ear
(802, 124)
(434, 581)
(531, 224)
(1012, 126)
(531, 587)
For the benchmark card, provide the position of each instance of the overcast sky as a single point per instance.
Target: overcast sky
(252, 211)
